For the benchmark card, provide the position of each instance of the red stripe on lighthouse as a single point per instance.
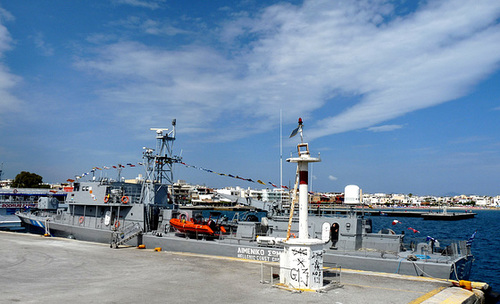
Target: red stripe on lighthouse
(303, 177)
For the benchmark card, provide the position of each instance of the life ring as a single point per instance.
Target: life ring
(14, 191)
(81, 219)
(125, 199)
(117, 224)
(106, 198)
(292, 235)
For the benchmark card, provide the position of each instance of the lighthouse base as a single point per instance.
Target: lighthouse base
(301, 264)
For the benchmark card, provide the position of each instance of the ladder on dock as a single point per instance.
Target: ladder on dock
(121, 237)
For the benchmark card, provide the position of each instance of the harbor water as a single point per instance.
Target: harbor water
(485, 245)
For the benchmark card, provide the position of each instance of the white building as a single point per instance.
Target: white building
(496, 201)
(482, 201)
(265, 195)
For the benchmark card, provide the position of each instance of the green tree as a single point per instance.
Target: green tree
(28, 180)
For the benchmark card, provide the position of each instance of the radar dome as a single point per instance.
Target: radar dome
(352, 195)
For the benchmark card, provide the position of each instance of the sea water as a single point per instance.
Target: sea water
(485, 246)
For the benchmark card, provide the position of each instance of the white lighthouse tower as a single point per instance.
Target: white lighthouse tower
(301, 263)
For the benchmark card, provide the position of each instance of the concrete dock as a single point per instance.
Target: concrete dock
(35, 269)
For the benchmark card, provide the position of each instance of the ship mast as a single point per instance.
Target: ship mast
(159, 164)
(164, 158)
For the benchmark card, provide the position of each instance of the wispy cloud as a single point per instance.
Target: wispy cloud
(5, 15)
(385, 128)
(300, 59)
(470, 139)
(45, 48)
(5, 38)
(154, 27)
(8, 101)
(332, 178)
(151, 4)
(149, 26)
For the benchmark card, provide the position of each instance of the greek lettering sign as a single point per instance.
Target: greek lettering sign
(259, 254)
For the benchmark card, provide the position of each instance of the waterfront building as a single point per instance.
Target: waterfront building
(266, 195)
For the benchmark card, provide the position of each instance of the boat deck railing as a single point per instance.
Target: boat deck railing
(447, 251)
(80, 220)
(446, 247)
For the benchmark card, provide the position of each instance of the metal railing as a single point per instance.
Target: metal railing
(445, 251)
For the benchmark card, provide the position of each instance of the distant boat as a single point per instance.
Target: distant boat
(13, 200)
(448, 216)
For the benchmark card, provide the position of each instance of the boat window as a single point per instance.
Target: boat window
(76, 187)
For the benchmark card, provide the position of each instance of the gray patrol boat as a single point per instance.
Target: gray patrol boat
(144, 213)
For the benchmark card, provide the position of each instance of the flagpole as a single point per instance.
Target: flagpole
(281, 159)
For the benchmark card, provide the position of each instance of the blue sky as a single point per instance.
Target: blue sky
(397, 97)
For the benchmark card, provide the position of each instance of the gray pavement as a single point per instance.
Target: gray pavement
(34, 269)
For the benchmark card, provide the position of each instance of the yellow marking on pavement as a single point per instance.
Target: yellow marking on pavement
(428, 295)
(385, 288)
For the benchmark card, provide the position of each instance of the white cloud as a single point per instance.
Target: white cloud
(469, 140)
(8, 102)
(385, 128)
(300, 58)
(5, 15)
(151, 4)
(5, 38)
(45, 48)
(430, 58)
(157, 28)
(148, 26)
(332, 178)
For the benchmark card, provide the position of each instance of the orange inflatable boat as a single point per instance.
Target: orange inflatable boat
(188, 226)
